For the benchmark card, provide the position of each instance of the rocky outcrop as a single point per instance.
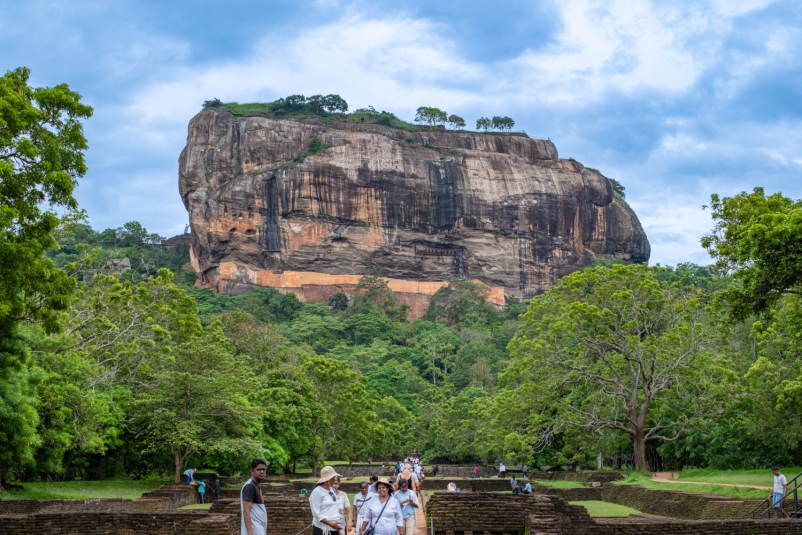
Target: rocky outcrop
(422, 207)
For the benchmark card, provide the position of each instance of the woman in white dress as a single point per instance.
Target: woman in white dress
(345, 507)
(383, 512)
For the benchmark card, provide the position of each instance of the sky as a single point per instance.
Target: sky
(675, 99)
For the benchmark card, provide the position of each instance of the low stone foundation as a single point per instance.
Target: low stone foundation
(287, 515)
(684, 505)
(119, 524)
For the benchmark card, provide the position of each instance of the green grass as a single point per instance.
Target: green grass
(83, 490)
(763, 477)
(600, 509)
(203, 506)
(644, 480)
(560, 484)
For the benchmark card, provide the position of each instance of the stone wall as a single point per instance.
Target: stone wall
(695, 527)
(129, 523)
(177, 495)
(286, 515)
(481, 512)
(677, 504)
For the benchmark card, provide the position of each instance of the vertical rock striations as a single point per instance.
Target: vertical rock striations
(422, 207)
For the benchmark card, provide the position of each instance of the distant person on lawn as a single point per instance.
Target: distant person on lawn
(252, 503)
(502, 470)
(475, 472)
(189, 475)
(779, 491)
(514, 485)
(324, 504)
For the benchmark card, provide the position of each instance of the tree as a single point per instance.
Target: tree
(756, 239)
(373, 293)
(502, 123)
(461, 302)
(618, 188)
(636, 352)
(456, 121)
(430, 116)
(41, 158)
(344, 424)
(483, 123)
(335, 104)
(214, 103)
(196, 402)
(338, 301)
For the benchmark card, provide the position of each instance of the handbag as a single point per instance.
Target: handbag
(372, 528)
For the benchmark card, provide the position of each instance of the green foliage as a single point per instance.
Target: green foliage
(461, 302)
(41, 158)
(291, 106)
(633, 354)
(431, 116)
(456, 121)
(756, 239)
(483, 123)
(502, 123)
(338, 302)
(618, 189)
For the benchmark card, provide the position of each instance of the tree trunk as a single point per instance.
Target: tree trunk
(639, 447)
(599, 461)
(177, 461)
(314, 465)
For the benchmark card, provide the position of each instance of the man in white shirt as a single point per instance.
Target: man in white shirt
(324, 504)
(502, 470)
(779, 491)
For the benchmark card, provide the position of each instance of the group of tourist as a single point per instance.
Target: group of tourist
(203, 484)
(380, 508)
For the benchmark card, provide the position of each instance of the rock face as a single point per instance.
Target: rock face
(422, 207)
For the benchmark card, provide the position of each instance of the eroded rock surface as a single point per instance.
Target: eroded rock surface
(420, 206)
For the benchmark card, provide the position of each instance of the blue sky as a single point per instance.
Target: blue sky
(675, 99)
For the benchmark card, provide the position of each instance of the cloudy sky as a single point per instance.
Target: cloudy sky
(676, 99)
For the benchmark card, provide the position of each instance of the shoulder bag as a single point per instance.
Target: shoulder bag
(372, 528)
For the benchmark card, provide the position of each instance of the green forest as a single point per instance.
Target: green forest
(114, 363)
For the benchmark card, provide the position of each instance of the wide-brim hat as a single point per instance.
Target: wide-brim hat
(327, 473)
(383, 481)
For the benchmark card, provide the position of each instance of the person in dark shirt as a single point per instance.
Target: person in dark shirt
(216, 490)
(252, 503)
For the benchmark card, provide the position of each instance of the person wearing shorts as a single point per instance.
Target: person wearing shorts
(778, 492)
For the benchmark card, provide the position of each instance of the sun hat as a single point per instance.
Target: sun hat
(327, 473)
(383, 481)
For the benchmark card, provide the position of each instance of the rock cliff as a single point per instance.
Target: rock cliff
(422, 207)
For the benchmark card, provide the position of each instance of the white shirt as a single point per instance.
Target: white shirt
(324, 504)
(779, 484)
(359, 506)
(502, 468)
(390, 520)
(342, 497)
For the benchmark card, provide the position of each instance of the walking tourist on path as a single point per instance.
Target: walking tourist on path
(409, 503)
(525, 470)
(410, 476)
(360, 500)
(252, 503)
(779, 491)
(324, 504)
(502, 470)
(384, 512)
(202, 490)
(189, 475)
(345, 507)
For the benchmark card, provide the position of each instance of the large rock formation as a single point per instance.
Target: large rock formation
(422, 207)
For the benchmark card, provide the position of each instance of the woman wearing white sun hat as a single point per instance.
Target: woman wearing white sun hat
(383, 512)
(324, 504)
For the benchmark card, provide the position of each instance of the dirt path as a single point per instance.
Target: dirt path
(421, 528)
(671, 477)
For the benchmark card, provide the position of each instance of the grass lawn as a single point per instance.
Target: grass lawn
(204, 506)
(644, 479)
(606, 510)
(560, 484)
(763, 477)
(112, 488)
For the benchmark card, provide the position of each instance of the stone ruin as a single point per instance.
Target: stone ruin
(477, 512)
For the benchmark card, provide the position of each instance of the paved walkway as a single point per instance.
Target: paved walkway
(421, 528)
(671, 477)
